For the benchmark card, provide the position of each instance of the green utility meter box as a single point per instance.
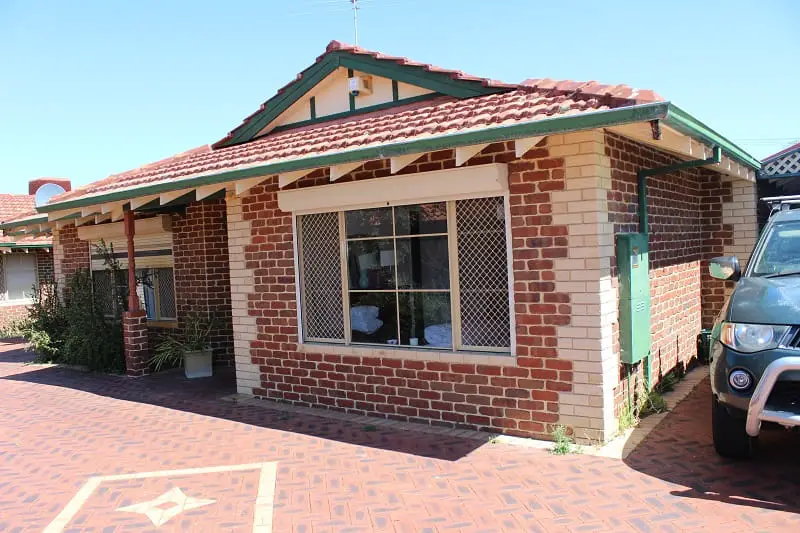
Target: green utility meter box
(633, 269)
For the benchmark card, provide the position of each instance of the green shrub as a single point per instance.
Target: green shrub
(72, 329)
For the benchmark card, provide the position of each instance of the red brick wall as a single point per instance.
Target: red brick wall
(520, 399)
(44, 266)
(202, 279)
(74, 252)
(685, 222)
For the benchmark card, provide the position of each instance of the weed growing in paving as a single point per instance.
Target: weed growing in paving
(562, 442)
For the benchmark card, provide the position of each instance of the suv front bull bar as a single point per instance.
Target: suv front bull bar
(757, 411)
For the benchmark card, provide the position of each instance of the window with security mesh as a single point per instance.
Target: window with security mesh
(432, 276)
(483, 273)
(166, 293)
(321, 272)
(103, 291)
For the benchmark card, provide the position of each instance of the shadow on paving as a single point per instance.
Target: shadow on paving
(204, 397)
(680, 450)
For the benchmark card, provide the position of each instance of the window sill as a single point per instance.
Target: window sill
(471, 358)
(162, 323)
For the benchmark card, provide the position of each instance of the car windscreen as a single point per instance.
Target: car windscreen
(780, 253)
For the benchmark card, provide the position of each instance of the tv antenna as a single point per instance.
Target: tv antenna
(355, 19)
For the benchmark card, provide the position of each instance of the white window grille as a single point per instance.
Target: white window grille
(321, 277)
(483, 273)
(429, 275)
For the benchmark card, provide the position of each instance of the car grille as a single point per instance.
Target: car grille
(785, 396)
(793, 339)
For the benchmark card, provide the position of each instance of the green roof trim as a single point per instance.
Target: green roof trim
(412, 74)
(688, 125)
(17, 246)
(666, 111)
(24, 222)
(561, 124)
(359, 111)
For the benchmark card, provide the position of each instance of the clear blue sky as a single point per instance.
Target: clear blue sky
(93, 87)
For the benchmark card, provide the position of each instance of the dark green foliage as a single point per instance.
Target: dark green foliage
(194, 337)
(72, 329)
(90, 339)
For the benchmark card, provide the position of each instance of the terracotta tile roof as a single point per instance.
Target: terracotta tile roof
(14, 205)
(567, 87)
(782, 152)
(530, 101)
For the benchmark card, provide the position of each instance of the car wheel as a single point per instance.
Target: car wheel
(730, 438)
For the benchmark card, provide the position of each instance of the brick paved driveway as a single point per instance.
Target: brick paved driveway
(59, 427)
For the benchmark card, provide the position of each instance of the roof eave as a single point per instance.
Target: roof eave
(561, 124)
(24, 221)
(689, 125)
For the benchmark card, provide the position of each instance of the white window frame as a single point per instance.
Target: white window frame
(454, 286)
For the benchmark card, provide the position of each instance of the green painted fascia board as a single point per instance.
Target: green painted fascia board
(26, 222)
(281, 102)
(416, 75)
(359, 111)
(562, 124)
(412, 74)
(13, 245)
(687, 124)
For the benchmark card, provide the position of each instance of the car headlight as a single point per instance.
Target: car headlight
(750, 338)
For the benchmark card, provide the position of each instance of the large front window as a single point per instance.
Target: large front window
(431, 275)
(155, 288)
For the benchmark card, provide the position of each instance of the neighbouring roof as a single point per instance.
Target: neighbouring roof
(783, 164)
(780, 153)
(14, 207)
(434, 121)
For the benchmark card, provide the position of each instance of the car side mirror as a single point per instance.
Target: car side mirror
(726, 268)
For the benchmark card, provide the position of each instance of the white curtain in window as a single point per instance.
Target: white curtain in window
(20, 271)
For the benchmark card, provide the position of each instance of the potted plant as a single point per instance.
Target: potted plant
(190, 349)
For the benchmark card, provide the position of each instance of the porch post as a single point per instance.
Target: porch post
(134, 321)
(130, 230)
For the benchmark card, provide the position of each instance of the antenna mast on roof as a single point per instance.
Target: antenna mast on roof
(355, 19)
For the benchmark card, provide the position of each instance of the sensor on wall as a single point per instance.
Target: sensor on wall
(360, 85)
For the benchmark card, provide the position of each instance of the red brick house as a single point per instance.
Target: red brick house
(25, 260)
(396, 239)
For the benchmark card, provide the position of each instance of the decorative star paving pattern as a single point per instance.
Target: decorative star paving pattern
(159, 513)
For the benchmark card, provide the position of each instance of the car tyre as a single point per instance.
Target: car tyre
(730, 438)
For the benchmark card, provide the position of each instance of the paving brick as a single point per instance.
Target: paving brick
(59, 426)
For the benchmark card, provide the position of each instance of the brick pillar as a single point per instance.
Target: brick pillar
(137, 350)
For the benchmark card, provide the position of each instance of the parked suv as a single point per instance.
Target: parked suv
(755, 343)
